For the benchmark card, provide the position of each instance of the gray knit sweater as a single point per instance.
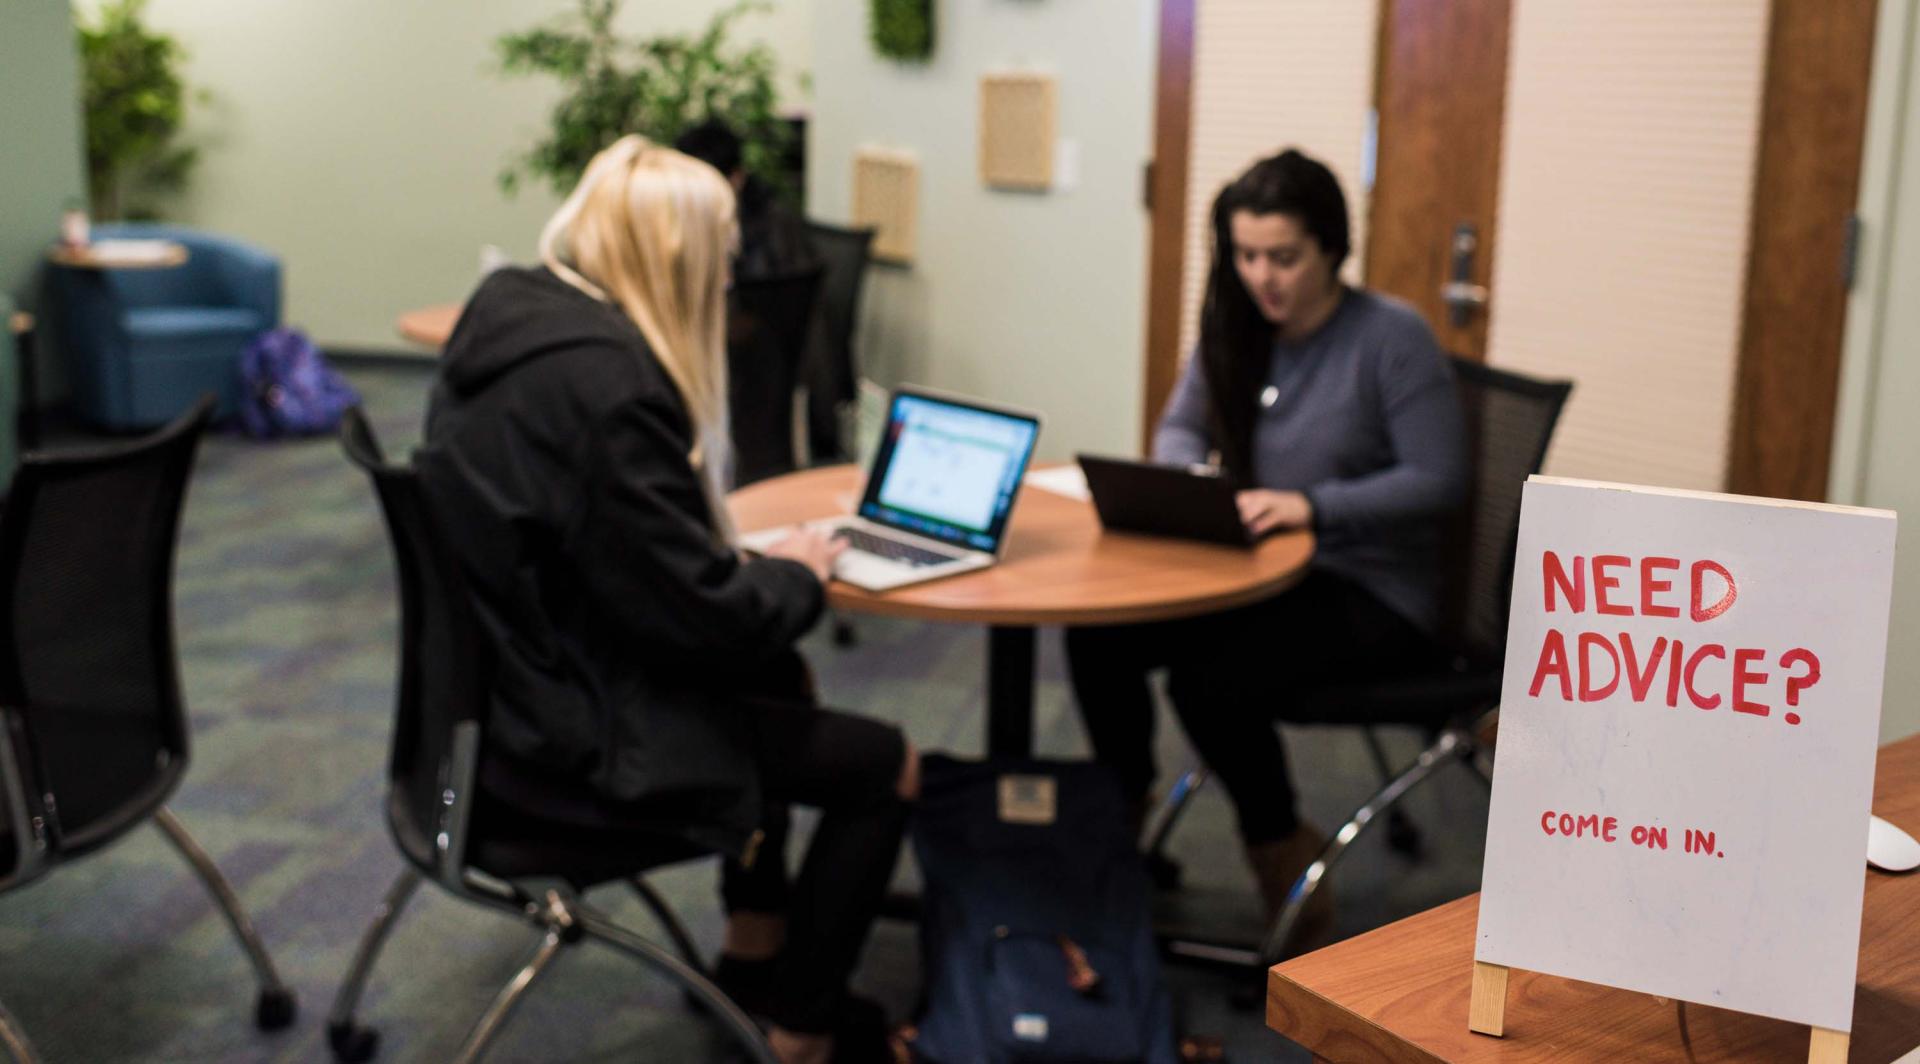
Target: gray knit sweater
(1362, 416)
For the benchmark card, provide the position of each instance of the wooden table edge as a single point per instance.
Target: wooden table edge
(85, 259)
(878, 604)
(1388, 1046)
(410, 327)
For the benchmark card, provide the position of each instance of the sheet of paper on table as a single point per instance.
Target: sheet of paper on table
(1067, 480)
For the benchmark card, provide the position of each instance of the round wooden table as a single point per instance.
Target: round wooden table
(429, 326)
(120, 255)
(1059, 567)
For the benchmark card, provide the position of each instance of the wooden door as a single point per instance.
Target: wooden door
(1813, 131)
(1165, 191)
(1440, 91)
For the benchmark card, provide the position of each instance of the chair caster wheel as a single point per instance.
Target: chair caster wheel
(275, 1009)
(352, 1043)
(1403, 836)
(1164, 871)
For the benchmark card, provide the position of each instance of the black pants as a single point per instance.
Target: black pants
(1229, 675)
(845, 766)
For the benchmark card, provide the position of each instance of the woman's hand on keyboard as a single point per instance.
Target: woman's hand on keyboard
(812, 548)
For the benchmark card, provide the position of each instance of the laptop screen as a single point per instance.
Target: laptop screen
(948, 469)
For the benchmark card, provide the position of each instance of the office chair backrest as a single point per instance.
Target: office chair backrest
(767, 328)
(87, 663)
(445, 671)
(1509, 420)
(844, 253)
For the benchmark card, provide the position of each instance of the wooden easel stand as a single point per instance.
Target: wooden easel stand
(1487, 1014)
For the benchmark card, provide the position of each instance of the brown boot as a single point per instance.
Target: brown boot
(1276, 867)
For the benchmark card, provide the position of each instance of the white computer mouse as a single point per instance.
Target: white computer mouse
(1889, 849)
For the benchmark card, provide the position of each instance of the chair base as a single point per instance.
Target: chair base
(1456, 742)
(1465, 739)
(275, 1009)
(565, 921)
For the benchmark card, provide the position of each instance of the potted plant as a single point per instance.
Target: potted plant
(658, 87)
(134, 103)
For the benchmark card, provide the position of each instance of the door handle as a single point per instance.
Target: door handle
(1461, 296)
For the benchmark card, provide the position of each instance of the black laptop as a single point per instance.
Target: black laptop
(1186, 502)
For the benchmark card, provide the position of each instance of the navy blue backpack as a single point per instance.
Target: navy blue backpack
(1035, 930)
(287, 389)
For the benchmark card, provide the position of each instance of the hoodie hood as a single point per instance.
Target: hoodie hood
(519, 313)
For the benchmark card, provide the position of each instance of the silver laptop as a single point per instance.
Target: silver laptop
(938, 497)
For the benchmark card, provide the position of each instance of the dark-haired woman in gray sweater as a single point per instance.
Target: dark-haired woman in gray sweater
(1336, 410)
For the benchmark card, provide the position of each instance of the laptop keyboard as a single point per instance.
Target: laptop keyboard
(892, 549)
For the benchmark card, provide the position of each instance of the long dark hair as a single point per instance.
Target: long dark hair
(1235, 338)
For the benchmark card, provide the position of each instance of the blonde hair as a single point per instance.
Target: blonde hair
(649, 230)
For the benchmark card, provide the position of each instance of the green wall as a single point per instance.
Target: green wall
(42, 158)
(1035, 299)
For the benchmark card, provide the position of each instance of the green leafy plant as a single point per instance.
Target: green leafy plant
(658, 87)
(135, 103)
(902, 29)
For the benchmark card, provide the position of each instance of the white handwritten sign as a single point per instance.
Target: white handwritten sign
(1688, 722)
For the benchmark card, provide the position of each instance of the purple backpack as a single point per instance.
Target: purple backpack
(287, 388)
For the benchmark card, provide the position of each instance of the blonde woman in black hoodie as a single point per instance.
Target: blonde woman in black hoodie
(576, 450)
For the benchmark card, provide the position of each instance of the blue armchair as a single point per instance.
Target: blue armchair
(142, 345)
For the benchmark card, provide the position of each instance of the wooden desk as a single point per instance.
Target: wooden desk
(1399, 993)
(1059, 568)
(429, 326)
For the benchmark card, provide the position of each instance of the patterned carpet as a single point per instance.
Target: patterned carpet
(285, 609)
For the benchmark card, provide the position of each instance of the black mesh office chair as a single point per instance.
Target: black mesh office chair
(93, 728)
(832, 373)
(445, 834)
(1509, 420)
(768, 322)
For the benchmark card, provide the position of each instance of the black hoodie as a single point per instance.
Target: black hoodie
(556, 462)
